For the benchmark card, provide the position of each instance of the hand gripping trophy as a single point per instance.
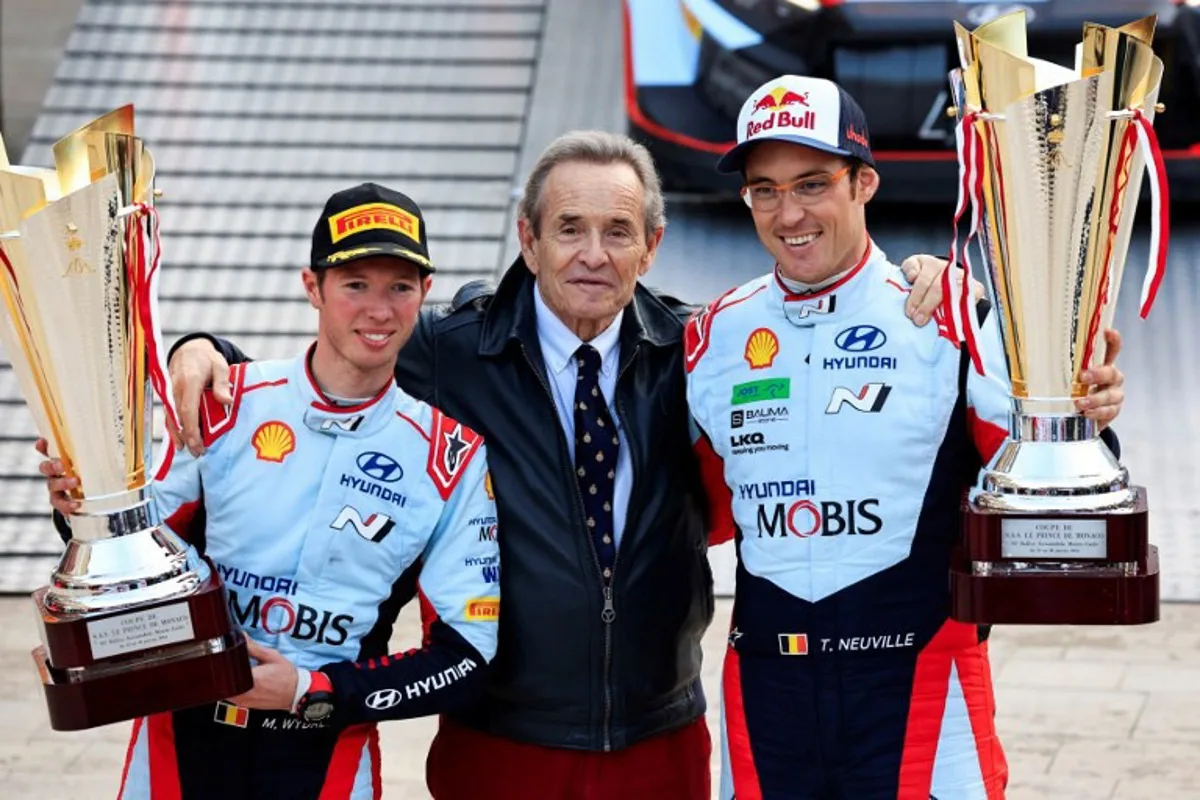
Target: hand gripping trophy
(131, 623)
(1051, 161)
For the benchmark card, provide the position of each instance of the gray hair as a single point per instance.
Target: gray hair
(595, 147)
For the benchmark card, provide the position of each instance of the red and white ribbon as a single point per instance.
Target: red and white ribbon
(1160, 214)
(961, 324)
(146, 299)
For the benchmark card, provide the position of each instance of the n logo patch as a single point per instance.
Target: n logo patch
(869, 399)
(373, 528)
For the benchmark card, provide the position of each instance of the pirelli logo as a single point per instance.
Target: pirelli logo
(374, 216)
(483, 608)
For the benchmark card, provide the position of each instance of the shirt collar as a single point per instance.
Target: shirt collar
(559, 342)
(833, 302)
(325, 417)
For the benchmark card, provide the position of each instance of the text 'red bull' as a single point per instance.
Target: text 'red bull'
(781, 120)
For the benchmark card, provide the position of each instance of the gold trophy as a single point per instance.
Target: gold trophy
(1052, 159)
(132, 622)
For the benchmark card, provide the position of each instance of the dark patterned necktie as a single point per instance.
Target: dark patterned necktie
(596, 444)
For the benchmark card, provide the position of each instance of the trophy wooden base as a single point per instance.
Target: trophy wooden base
(1084, 588)
(162, 656)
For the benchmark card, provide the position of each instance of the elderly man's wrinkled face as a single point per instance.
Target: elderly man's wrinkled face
(591, 245)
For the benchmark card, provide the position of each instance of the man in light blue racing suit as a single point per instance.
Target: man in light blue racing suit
(327, 498)
(837, 441)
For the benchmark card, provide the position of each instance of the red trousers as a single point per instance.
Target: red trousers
(465, 764)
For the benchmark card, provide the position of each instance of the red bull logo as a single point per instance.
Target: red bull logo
(780, 97)
(785, 109)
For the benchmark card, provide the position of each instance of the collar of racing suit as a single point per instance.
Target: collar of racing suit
(833, 303)
(325, 416)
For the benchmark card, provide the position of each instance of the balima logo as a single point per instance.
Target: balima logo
(384, 699)
(869, 399)
(380, 467)
(373, 528)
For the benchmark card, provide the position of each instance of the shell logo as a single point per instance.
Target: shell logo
(273, 441)
(761, 348)
(487, 485)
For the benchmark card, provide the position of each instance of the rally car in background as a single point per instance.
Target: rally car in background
(689, 65)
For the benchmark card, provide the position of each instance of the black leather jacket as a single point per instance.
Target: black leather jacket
(574, 670)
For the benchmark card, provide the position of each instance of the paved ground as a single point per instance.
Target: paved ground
(1085, 713)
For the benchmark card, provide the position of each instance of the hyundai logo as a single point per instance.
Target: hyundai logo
(383, 699)
(861, 339)
(380, 467)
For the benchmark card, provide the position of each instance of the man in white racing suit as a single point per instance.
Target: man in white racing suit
(327, 498)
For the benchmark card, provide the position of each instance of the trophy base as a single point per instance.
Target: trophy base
(161, 656)
(1067, 599)
(141, 691)
(1064, 568)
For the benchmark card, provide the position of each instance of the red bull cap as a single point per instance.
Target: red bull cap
(812, 112)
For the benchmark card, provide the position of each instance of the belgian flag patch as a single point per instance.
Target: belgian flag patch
(793, 644)
(229, 714)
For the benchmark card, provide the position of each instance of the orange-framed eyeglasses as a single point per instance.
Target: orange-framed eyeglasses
(764, 196)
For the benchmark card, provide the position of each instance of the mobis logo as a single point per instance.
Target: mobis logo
(806, 518)
(279, 615)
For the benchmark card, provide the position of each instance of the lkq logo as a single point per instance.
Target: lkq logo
(380, 468)
(807, 518)
(373, 528)
(869, 399)
(750, 443)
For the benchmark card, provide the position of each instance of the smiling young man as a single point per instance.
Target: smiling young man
(327, 498)
(837, 440)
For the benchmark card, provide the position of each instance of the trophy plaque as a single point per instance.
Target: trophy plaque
(133, 622)
(1051, 163)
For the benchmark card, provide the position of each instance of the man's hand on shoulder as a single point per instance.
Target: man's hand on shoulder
(924, 272)
(195, 366)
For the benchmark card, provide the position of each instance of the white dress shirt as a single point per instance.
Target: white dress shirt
(559, 344)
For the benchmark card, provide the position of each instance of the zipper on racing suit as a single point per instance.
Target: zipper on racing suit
(609, 613)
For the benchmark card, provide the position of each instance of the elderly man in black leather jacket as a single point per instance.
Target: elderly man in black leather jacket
(595, 690)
